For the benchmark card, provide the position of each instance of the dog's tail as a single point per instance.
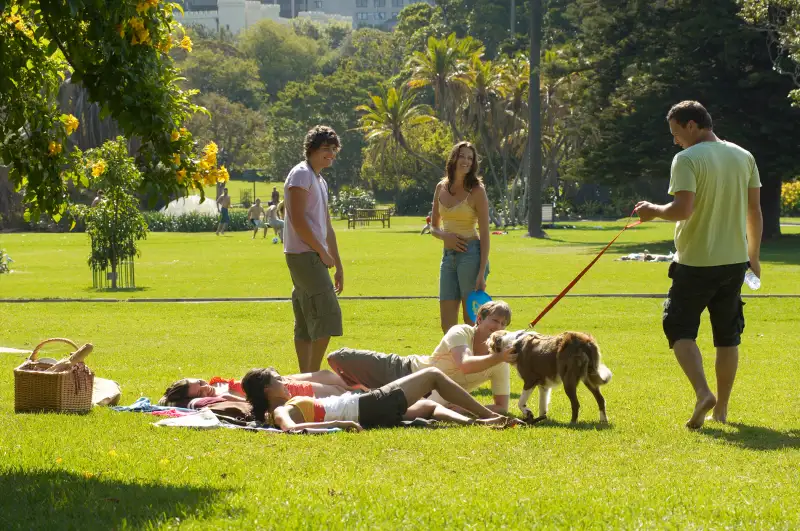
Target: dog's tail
(598, 373)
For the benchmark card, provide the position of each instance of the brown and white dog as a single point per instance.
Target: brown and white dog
(545, 361)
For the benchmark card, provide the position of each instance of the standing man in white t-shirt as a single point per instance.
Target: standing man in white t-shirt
(310, 249)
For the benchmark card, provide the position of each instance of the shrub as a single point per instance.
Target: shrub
(351, 198)
(414, 199)
(790, 198)
(194, 222)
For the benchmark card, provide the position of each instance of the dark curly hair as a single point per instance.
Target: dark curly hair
(254, 383)
(690, 110)
(318, 136)
(176, 395)
(471, 179)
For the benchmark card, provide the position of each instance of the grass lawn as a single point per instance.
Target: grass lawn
(377, 262)
(111, 470)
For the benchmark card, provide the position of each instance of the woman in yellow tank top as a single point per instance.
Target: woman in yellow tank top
(461, 220)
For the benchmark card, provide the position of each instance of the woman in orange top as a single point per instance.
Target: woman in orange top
(316, 384)
(461, 220)
(384, 407)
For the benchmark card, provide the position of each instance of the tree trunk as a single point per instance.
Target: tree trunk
(771, 208)
(535, 126)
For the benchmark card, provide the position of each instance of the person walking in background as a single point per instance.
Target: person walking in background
(274, 221)
(224, 203)
(276, 196)
(254, 215)
(310, 248)
(717, 208)
(98, 198)
(460, 218)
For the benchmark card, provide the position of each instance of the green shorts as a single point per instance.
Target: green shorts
(316, 308)
(368, 368)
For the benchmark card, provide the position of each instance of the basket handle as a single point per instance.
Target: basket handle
(35, 354)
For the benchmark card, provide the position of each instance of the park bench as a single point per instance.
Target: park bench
(363, 216)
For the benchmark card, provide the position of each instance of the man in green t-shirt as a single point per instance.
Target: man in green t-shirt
(717, 207)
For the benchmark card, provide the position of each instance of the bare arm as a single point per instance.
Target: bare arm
(283, 419)
(323, 377)
(482, 207)
(469, 363)
(298, 198)
(755, 227)
(333, 247)
(500, 405)
(679, 209)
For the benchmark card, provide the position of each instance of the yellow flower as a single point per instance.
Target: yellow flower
(88, 475)
(70, 122)
(211, 147)
(142, 7)
(196, 176)
(181, 176)
(136, 23)
(141, 37)
(175, 136)
(166, 46)
(222, 175)
(204, 165)
(112, 453)
(186, 43)
(58, 460)
(98, 168)
(183, 130)
(176, 159)
(121, 30)
(54, 148)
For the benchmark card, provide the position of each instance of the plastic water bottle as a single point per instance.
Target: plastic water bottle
(752, 281)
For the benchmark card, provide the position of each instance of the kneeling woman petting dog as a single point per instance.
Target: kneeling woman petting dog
(387, 406)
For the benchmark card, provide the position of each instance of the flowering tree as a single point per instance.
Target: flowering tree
(119, 52)
(114, 224)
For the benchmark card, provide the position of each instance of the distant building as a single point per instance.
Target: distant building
(236, 15)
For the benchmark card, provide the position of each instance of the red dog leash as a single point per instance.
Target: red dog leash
(572, 284)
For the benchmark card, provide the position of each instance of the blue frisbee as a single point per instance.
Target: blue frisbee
(474, 301)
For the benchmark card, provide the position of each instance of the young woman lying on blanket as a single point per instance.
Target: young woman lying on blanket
(384, 407)
(196, 393)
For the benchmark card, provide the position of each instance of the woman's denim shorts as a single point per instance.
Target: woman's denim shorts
(459, 272)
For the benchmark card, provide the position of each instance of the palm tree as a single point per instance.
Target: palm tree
(384, 121)
(444, 64)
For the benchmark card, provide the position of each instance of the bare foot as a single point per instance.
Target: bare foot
(703, 406)
(719, 416)
(500, 421)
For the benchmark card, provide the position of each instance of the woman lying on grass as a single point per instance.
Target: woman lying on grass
(384, 407)
(188, 392)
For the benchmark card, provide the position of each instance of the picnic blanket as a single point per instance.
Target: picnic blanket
(646, 256)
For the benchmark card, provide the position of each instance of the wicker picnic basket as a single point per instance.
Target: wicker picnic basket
(68, 390)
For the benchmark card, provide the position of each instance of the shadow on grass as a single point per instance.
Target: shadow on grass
(487, 393)
(118, 290)
(785, 250)
(581, 425)
(755, 437)
(48, 499)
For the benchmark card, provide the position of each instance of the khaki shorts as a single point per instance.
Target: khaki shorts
(368, 368)
(316, 308)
